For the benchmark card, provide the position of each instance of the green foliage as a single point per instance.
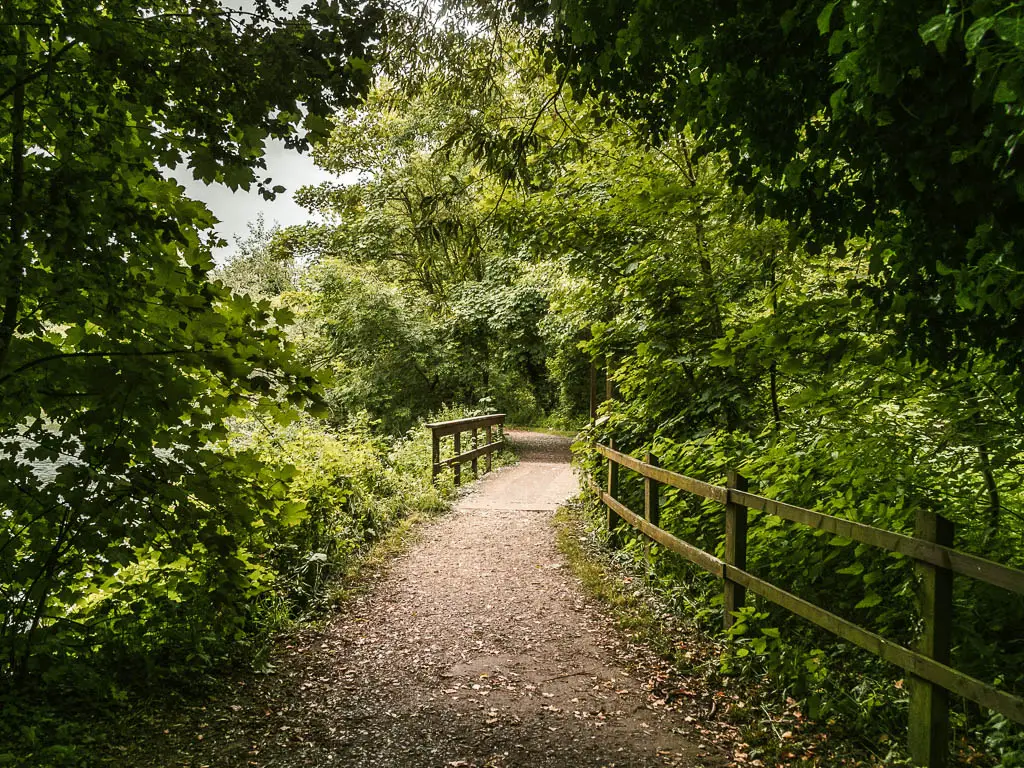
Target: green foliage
(256, 268)
(155, 626)
(894, 121)
(350, 486)
(373, 337)
(809, 276)
(126, 519)
(415, 294)
(731, 345)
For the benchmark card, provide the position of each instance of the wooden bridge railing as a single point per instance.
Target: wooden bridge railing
(455, 428)
(931, 677)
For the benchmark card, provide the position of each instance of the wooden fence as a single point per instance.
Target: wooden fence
(455, 428)
(931, 678)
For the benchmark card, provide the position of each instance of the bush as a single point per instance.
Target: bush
(349, 486)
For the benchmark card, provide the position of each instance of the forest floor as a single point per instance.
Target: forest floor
(476, 648)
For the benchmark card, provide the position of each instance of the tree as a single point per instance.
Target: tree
(378, 340)
(120, 359)
(257, 267)
(436, 312)
(892, 121)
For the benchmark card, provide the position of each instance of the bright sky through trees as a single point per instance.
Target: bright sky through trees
(237, 210)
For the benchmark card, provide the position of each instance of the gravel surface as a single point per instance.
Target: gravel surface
(477, 648)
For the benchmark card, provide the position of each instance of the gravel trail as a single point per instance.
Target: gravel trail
(477, 648)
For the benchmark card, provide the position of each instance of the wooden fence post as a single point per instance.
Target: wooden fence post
(613, 488)
(435, 455)
(487, 461)
(457, 467)
(928, 732)
(735, 546)
(476, 467)
(652, 504)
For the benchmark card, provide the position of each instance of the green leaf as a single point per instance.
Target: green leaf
(937, 30)
(317, 126)
(838, 41)
(787, 21)
(825, 17)
(1004, 93)
(794, 169)
(292, 513)
(722, 358)
(977, 31)
(1011, 29)
(870, 601)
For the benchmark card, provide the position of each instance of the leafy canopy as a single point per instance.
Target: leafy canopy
(120, 359)
(898, 122)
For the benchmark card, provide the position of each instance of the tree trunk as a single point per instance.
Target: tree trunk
(994, 510)
(773, 368)
(15, 259)
(776, 414)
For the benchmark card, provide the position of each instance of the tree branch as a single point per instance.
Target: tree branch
(24, 79)
(66, 355)
(15, 267)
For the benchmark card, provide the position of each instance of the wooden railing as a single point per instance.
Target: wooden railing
(931, 677)
(455, 428)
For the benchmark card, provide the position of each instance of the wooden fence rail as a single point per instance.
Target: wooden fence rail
(931, 677)
(455, 428)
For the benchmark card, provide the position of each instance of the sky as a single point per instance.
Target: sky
(236, 210)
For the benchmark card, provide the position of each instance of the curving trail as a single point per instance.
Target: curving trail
(477, 648)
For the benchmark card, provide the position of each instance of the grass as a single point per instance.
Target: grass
(631, 612)
(362, 573)
(635, 609)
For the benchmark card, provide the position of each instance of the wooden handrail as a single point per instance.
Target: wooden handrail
(912, 661)
(442, 428)
(936, 563)
(456, 427)
(976, 567)
(682, 482)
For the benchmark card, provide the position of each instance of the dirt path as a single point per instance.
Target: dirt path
(476, 649)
